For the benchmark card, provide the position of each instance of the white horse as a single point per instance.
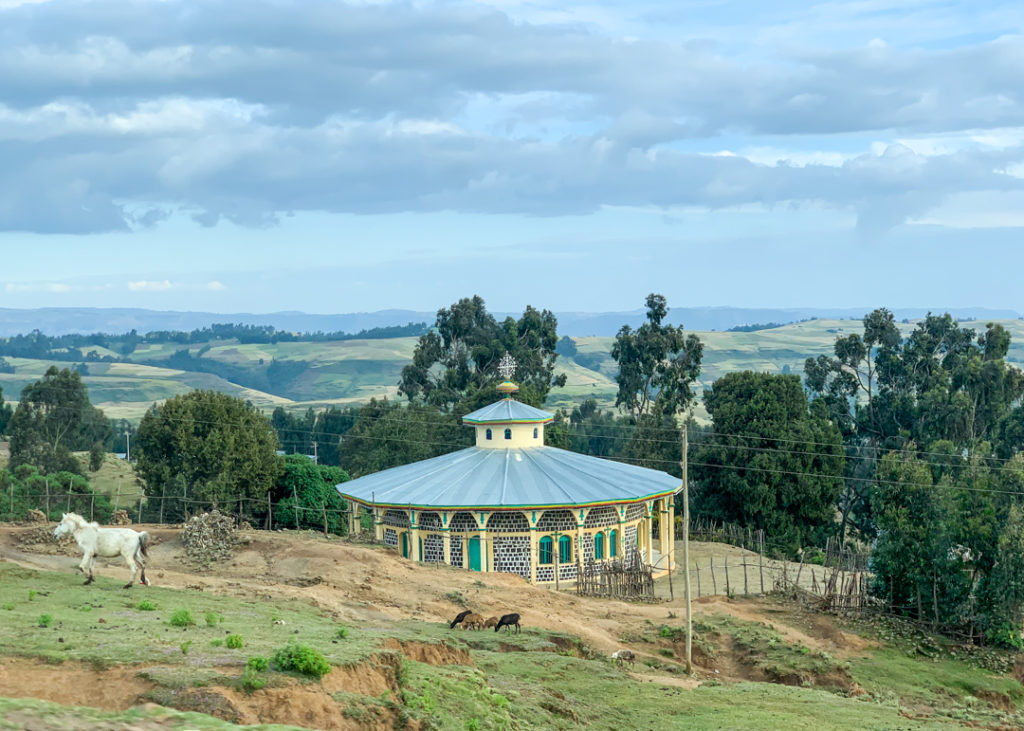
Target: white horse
(105, 542)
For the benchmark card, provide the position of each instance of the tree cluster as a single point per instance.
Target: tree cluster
(931, 427)
(454, 366)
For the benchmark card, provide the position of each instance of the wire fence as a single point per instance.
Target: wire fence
(331, 515)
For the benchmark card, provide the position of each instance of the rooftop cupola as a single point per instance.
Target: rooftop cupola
(508, 424)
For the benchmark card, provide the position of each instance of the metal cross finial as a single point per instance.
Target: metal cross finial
(507, 366)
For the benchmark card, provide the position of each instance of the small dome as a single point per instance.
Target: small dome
(508, 411)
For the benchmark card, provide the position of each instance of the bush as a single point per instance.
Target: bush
(252, 680)
(257, 663)
(341, 633)
(213, 619)
(301, 659)
(181, 618)
(1006, 635)
(185, 646)
(217, 642)
(234, 642)
(8, 606)
(145, 606)
(45, 620)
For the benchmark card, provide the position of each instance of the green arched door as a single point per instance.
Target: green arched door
(405, 545)
(474, 554)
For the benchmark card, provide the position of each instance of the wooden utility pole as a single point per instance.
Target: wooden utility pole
(686, 552)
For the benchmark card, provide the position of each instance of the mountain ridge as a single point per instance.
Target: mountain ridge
(116, 320)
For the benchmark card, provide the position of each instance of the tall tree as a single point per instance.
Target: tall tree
(54, 418)
(6, 412)
(773, 463)
(455, 364)
(386, 434)
(658, 364)
(208, 447)
(310, 487)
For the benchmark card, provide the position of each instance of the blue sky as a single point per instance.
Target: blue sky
(350, 156)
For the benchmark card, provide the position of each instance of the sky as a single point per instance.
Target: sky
(330, 156)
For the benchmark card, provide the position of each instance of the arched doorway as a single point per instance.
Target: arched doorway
(405, 545)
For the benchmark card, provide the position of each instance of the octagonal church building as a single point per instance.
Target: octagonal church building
(512, 504)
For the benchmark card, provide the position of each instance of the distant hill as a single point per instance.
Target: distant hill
(298, 375)
(64, 320)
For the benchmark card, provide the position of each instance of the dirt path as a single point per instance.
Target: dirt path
(371, 584)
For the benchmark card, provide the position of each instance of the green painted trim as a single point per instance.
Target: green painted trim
(519, 508)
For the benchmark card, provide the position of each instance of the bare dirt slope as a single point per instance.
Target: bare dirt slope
(371, 584)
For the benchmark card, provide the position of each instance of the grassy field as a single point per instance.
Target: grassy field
(353, 371)
(423, 672)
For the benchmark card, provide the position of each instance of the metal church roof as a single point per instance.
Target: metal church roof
(509, 478)
(508, 411)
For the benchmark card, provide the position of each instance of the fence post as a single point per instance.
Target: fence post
(744, 555)
(117, 498)
(698, 581)
(139, 518)
(270, 512)
(47, 499)
(760, 562)
(714, 584)
(295, 505)
(728, 590)
(92, 506)
(163, 496)
(323, 506)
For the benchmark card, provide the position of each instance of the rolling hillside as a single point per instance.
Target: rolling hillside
(298, 375)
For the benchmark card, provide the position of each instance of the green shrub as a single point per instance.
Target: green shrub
(1006, 635)
(217, 642)
(185, 646)
(145, 606)
(257, 663)
(341, 633)
(45, 620)
(252, 680)
(8, 606)
(213, 619)
(181, 618)
(234, 642)
(301, 659)
(32, 593)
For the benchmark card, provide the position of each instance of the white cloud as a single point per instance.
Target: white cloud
(144, 285)
(215, 286)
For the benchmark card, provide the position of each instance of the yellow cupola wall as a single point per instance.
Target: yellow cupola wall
(508, 424)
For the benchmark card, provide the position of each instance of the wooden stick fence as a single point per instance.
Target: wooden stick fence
(629, 579)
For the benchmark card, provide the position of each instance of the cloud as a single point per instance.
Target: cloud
(215, 286)
(380, 108)
(144, 285)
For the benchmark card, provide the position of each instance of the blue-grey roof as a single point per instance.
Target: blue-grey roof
(535, 476)
(507, 410)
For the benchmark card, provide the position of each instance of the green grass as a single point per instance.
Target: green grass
(953, 688)
(131, 635)
(20, 713)
(764, 650)
(536, 679)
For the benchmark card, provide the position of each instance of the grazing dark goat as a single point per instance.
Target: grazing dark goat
(508, 620)
(461, 616)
